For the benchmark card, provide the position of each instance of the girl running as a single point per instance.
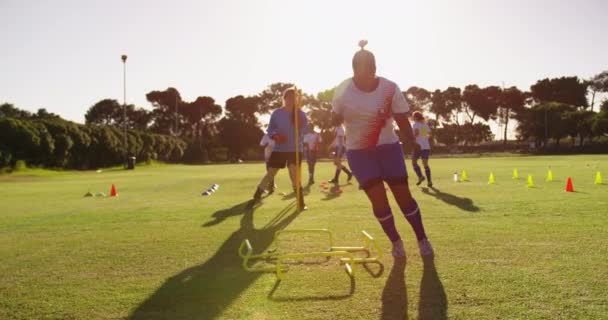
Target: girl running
(281, 129)
(422, 133)
(368, 106)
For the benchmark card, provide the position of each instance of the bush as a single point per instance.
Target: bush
(20, 165)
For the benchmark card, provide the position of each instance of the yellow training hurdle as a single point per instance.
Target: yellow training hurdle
(345, 253)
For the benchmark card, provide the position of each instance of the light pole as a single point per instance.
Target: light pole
(124, 107)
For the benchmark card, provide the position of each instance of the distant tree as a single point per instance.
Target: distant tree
(239, 130)
(8, 110)
(42, 113)
(452, 97)
(272, 97)
(481, 102)
(579, 123)
(598, 83)
(201, 116)
(165, 115)
(418, 98)
(512, 101)
(104, 112)
(566, 90)
(110, 112)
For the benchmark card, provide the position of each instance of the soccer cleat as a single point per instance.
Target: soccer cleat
(333, 181)
(398, 249)
(425, 247)
(420, 180)
(257, 196)
(429, 184)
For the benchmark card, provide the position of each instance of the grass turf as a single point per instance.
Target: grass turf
(161, 251)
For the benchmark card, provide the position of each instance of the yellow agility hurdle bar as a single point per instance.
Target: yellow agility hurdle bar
(332, 251)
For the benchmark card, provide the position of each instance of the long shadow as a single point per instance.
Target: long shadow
(221, 215)
(465, 204)
(332, 297)
(433, 300)
(204, 291)
(394, 295)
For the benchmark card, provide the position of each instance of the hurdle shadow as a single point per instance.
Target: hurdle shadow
(333, 297)
(465, 204)
(206, 290)
(394, 295)
(433, 300)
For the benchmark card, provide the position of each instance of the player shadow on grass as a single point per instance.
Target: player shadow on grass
(465, 204)
(394, 295)
(206, 290)
(433, 300)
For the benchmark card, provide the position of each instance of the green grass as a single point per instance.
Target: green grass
(161, 251)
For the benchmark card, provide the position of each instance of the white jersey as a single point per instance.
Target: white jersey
(312, 140)
(368, 115)
(422, 138)
(340, 134)
(268, 144)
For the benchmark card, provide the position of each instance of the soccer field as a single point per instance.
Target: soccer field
(160, 250)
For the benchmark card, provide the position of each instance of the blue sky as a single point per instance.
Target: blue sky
(65, 55)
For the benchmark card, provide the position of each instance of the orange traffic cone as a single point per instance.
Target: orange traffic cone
(569, 187)
(113, 192)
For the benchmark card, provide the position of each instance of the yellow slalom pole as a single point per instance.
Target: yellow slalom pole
(297, 106)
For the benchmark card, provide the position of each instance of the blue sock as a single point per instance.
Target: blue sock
(418, 171)
(427, 172)
(387, 221)
(412, 215)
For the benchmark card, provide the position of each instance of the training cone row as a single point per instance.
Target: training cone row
(214, 187)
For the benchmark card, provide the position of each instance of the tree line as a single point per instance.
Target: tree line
(199, 131)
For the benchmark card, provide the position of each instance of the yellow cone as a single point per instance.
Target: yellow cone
(530, 181)
(549, 175)
(463, 176)
(491, 179)
(515, 174)
(598, 178)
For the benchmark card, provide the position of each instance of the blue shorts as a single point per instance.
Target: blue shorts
(424, 154)
(384, 162)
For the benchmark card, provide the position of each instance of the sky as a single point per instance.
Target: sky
(65, 55)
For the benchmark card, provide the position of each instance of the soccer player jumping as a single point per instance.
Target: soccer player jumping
(368, 106)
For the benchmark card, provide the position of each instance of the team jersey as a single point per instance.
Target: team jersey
(368, 115)
(268, 144)
(340, 134)
(282, 122)
(312, 140)
(423, 134)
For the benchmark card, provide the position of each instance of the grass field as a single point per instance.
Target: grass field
(161, 251)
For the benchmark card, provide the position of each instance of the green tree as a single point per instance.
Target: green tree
(512, 101)
(598, 83)
(272, 97)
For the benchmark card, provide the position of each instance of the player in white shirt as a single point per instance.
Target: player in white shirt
(422, 132)
(369, 106)
(339, 145)
(268, 144)
(311, 144)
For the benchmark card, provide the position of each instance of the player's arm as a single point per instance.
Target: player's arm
(416, 133)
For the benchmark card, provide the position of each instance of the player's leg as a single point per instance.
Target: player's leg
(417, 170)
(292, 168)
(427, 168)
(345, 168)
(276, 162)
(395, 174)
(368, 174)
(338, 164)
